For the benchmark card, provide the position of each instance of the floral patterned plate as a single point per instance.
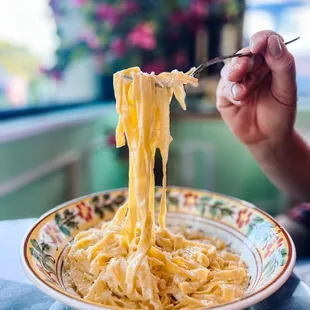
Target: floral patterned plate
(262, 243)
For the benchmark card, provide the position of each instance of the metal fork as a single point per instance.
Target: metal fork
(214, 61)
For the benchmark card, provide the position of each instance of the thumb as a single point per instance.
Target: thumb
(282, 65)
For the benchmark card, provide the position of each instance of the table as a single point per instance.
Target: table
(295, 294)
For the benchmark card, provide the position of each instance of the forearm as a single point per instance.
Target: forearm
(287, 165)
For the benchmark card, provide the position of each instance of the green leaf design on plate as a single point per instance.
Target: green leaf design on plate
(99, 212)
(202, 209)
(173, 200)
(65, 231)
(95, 199)
(213, 211)
(45, 247)
(35, 254)
(49, 258)
(284, 251)
(49, 268)
(36, 245)
(57, 218)
(109, 207)
(72, 224)
(258, 219)
(226, 212)
(251, 226)
(119, 200)
(205, 199)
(106, 196)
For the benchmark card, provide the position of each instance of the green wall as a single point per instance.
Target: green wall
(96, 167)
(230, 170)
(219, 163)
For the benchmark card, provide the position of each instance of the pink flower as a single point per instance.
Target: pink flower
(178, 17)
(157, 66)
(143, 36)
(56, 75)
(200, 7)
(108, 13)
(118, 47)
(111, 140)
(181, 60)
(90, 38)
(130, 6)
(79, 3)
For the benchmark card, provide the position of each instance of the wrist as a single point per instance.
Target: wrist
(273, 153)
(286, 163)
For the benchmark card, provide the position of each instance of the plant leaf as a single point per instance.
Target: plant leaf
(65, 230)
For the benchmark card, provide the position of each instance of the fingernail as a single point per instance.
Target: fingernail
(235, 90)
(275, 47)
(234, 68)
(254, 41)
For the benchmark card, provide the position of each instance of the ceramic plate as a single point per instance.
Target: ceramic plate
(262, 243)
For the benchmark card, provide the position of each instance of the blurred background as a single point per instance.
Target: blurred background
(57, 115)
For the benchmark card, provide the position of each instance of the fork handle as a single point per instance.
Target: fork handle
(222, 58)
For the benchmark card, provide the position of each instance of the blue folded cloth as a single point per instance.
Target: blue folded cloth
(20, 296)
(293, 295)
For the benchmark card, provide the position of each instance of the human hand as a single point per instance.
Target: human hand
(257, 94)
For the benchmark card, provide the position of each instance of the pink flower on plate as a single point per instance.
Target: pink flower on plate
(53, 233)
(118, 47)
(157, 66)
(143, 36)
(108, 13)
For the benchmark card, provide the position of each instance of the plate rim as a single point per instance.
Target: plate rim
(78, 303)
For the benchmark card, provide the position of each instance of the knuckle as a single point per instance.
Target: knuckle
(288, 62)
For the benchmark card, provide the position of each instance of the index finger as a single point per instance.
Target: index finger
(241, 66)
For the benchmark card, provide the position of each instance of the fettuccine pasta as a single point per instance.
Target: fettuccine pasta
(130, 262)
